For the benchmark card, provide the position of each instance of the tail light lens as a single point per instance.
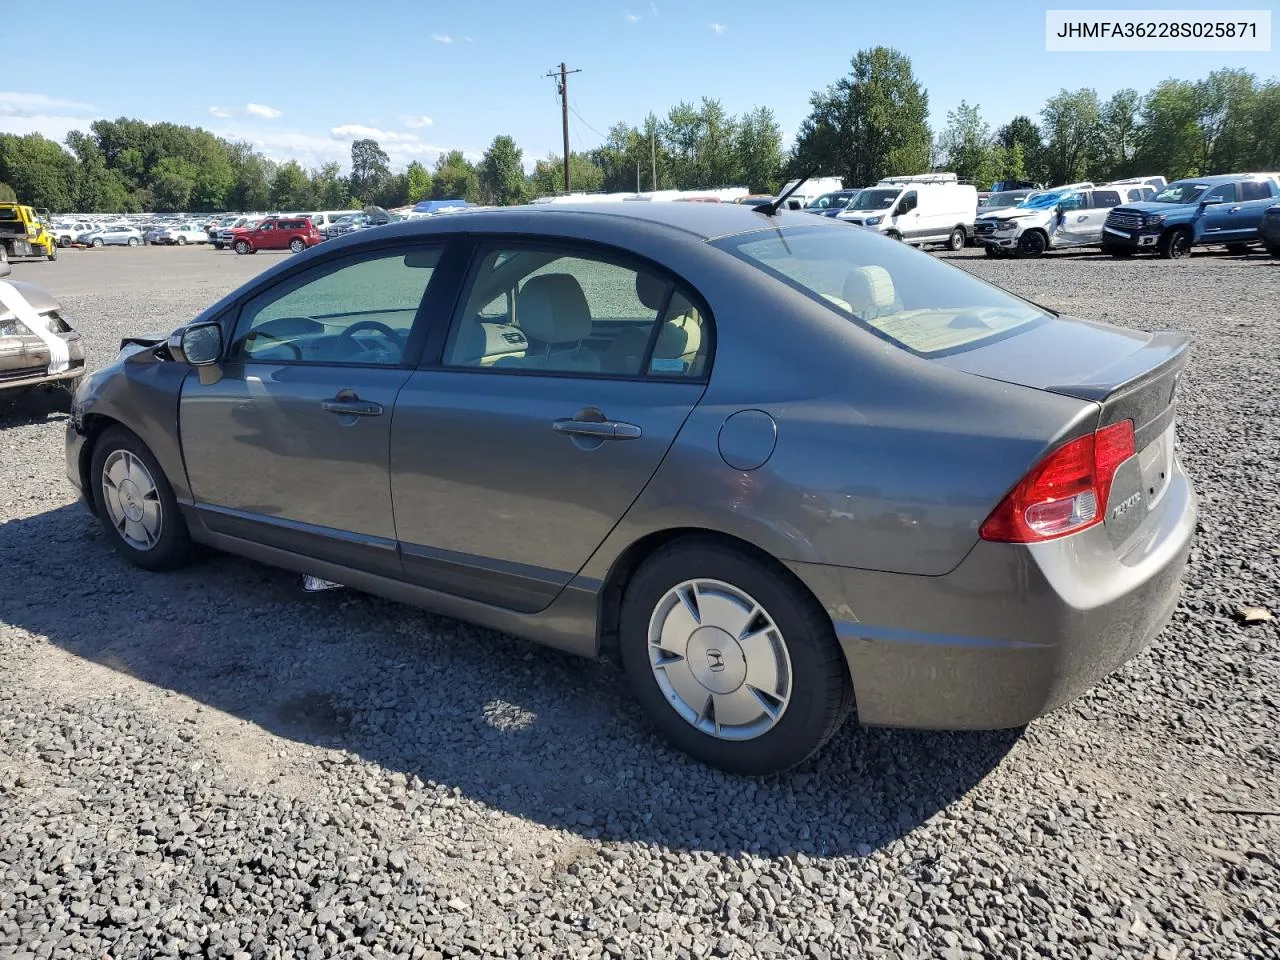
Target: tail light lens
(1064, 493)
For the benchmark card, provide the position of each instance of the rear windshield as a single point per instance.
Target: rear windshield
(904, 296)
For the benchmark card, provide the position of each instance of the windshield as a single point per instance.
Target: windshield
(1043, 201)
(1006, 199)
(910, 299)
(827, 200)
(874, 199)
(1182, 192)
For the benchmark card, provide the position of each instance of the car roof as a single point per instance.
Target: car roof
(705, 221)
(1220, 178)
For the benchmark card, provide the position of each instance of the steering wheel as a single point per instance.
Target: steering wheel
(382, 328)
(259, 335)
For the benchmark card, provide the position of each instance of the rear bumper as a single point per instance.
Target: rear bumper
(1013, 632)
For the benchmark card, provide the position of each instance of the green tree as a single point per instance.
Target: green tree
(419, 182)
(329, 187)
(1169, 140)
(172, 183)
(757, 150)
(291, 188)
(967, 147)
(1118, 136)
(8, 194)
(370, 168)
(1224, 102)
(501, 173)
(38, 170)
(627, 158)
(1023, 145)
(253, 174)
(868, 125)
(454, 178)
(394, 191)
(1266, 128)
(1071, 120)
(547, 178)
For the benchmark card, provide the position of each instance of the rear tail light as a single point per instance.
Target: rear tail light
(1064, 493)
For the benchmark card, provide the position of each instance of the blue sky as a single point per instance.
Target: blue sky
(304, 79)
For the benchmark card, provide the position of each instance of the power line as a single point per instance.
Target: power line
(602, 136)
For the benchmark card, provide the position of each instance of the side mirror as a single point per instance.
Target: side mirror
(1210, 201)
(199, 344)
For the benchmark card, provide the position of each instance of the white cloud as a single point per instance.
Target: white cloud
(718, 28)
(632, 17)
(358, 131)
(442, 38)
(14, 104)
(221, 112)
(49, 126)
(261, 110)
(417, 122)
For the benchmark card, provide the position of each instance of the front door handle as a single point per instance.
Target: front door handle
(348, 404)
(598, 429)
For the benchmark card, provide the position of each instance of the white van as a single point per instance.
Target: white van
(932, 208)
(812, 188)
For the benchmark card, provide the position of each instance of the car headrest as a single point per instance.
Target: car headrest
(869, 291)
(553, 309)
(673, 341)
(651, 290)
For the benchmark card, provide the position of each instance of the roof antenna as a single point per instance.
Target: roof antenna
(771, 209)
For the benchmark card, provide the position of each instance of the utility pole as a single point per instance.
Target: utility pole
(653, 147)
(562, 87)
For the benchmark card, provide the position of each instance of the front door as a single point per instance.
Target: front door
(1219, 218)
(289, 448)
(1072, 227)
(566, 375)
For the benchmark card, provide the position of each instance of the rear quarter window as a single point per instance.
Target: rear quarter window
(1106, 198)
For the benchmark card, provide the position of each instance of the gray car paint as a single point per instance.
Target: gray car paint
(884, 467)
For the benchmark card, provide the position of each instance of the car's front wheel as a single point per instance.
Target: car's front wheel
(182, 241)
(133, 241)
(1176, 244)
(733, 660)
(97, 241)
(242, 247)
(136, 504)
(297, 245)
(1033, 243)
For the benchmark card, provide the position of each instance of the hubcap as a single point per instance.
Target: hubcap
(719, 659)
(132, 500)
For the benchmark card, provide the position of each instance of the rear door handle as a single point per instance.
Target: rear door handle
(351, 406)
(599, 429)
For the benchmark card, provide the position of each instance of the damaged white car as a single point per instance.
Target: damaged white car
(38, 347)
(1056, 219)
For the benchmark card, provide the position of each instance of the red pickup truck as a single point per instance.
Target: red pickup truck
(276, 233)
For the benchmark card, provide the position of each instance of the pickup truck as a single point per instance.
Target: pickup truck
(23, 234)
(1198, 211)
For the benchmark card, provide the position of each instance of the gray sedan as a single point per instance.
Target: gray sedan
(775, 467)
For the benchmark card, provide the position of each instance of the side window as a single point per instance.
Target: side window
(556, 311)
(1223, 193)
(1074, 201)
(266, 225)
(1255, 190)
(357, 311)
(1106, 198)
(909, 201)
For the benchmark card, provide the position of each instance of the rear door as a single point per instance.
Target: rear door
(1256, 196)
(553, 396)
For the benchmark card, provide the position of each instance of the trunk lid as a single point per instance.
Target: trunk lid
(1130, 374)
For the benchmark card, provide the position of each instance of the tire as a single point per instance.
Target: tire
(1032, 244)
(991, 251)
(296, 245)
(1239, 249)
(1175, 244)
(97, 241)
(144, 526)
(1273, 249)
(955, 242)
(53, 251)
(64, 241)
(813, 687)
(217, 245)
(894, 235)
(242, 247)
(182, 241)
(133, 241)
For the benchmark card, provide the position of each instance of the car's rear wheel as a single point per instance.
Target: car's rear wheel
(297, 245)
(733, 660)
(64, 241)
(133, 241)
(1175, 244)
(97, 241)
(1032, 244)
(242, 247)
(136, 504)
(182, 241)
(955, 242)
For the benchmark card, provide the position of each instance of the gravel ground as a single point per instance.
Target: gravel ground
(215, 764)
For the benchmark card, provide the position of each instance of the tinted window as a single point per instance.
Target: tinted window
(1106, 198)
(1255, 190)
(353, 311)
(909, 201)
(910, 299)
(1181, 192)
(1223, 193)
(874, 199)
(555, 310)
